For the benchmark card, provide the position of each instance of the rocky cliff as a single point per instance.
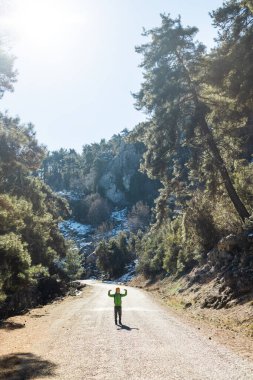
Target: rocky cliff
(122, 183)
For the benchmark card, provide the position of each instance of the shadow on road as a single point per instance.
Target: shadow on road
(11, 325)
(125, 327)
(25, 366)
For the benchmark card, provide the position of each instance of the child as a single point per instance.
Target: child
(117, 303)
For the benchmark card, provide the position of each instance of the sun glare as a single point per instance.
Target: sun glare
(41, 23)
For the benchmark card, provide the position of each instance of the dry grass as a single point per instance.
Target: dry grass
(232, 326)
(177, 294)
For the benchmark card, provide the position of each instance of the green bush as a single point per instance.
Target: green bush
(113, 256)
(150, 252)
(73, 264)
(92, 209)
(178, 245)
(200, 232)
(30, 240)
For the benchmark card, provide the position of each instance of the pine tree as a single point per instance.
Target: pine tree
(7, 73)
(230, 69)
(172, 96)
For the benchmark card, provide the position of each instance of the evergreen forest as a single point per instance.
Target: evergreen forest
(184, 175)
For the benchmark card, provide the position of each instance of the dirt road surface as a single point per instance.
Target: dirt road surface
(77, 340)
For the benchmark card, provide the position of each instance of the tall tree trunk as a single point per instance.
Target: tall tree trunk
(238, 204)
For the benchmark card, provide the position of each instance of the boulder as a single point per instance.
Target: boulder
(228, 244)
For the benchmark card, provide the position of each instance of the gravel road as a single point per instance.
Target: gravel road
(78, 340)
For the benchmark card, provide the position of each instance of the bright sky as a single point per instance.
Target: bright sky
(77, 64)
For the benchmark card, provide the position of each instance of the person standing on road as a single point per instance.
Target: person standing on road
(117, 303)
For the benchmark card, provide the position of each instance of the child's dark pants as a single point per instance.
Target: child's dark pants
(117, 311)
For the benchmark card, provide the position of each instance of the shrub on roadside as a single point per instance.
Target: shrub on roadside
(150, 252)
(73, 264)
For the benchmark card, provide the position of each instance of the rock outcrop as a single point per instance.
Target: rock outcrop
(122, 183)
(229, 268)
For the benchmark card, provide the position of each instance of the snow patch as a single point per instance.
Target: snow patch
(71, 227)
(120, 216)
(125, 278)
(84, 244)
(69, 195)
(128, 276)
